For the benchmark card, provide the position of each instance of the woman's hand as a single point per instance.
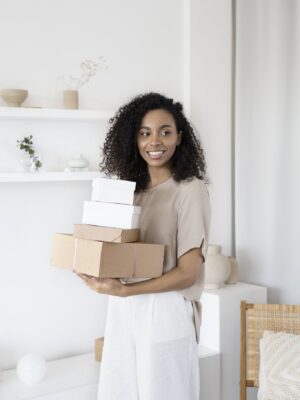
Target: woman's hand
(104, 285)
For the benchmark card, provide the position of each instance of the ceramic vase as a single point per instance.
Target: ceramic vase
(29, 164)
(71, 99)
(36, 163)
(234, 271)
(217, 268)
(25, 163)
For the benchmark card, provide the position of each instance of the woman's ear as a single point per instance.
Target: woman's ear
(179, 136)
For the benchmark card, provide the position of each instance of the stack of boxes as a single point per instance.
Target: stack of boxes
(106, 244)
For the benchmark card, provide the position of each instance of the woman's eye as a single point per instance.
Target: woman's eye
(164, 133)
(144, 133)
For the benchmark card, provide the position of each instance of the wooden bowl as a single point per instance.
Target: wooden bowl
(13, 97)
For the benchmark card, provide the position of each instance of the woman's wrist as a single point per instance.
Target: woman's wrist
(124, 292)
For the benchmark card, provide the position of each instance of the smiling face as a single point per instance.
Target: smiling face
(157, 138)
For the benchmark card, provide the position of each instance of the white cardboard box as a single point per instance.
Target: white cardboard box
(113, 191)
(110, 214)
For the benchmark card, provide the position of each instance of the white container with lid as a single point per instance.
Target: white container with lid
(113, 191)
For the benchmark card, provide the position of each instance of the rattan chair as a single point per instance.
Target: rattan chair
(255, 319)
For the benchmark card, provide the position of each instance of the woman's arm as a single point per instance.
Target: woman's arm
(185, 274)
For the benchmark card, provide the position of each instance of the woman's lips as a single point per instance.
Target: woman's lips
(155, 155)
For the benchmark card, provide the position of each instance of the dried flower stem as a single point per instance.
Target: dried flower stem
(88, 68)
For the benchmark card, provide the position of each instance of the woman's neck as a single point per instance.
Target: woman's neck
(158, 175)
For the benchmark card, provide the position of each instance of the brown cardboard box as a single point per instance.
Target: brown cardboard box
(106, 259)
(106, 234)
(99, 348)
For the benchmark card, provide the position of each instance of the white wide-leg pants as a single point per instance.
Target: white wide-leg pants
(150, 350)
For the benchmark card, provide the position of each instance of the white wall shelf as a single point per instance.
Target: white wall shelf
(21, 113)
(48, 176)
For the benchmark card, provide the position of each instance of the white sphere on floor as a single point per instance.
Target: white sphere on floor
(31, 369)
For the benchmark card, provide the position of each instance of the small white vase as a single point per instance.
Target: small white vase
(234, 271)
(25, 163)
(217, 268)
(36, 163)
(30, 164)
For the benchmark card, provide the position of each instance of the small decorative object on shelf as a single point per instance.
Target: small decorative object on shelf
(234, 271)
(77, 164)
(31, 369)
(71, 99)
(13, 97)
(217, 268)
(31, 162)
(88, 68)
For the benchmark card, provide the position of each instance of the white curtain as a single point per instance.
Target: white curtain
(267, 167)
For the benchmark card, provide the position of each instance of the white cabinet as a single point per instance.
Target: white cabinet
(72, 378)
(76, 378)
(220, 329)
(210, 373)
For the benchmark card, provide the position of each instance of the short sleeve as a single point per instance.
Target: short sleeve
(193, 217)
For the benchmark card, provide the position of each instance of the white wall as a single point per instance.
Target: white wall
(211, 105)
(141, 41)
(43, 309)
(48, 310)
(267, 159)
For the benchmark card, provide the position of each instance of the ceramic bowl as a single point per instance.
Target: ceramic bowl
(13, 97)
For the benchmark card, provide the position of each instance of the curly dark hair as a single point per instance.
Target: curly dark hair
(121, 155)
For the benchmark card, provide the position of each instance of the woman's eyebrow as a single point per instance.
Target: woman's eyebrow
(144, 127)
(162, 126)
(165, 126)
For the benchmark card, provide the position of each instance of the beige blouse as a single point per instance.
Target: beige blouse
(178, 216)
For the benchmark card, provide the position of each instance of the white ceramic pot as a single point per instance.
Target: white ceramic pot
(217, 268)
(78, 162)
(234, 271)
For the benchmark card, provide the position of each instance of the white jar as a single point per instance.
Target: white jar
(217, 268)
(234, 271)
(78, 162)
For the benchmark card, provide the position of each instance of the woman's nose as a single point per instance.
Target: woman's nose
(155, 140)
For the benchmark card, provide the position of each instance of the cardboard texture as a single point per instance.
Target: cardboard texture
(113, 191)
(106, 234)
(106, 259)
(111, 215)
(99, 343)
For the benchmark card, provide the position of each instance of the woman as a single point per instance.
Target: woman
(151, 334)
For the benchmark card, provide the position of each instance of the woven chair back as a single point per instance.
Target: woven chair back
(255, 319)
